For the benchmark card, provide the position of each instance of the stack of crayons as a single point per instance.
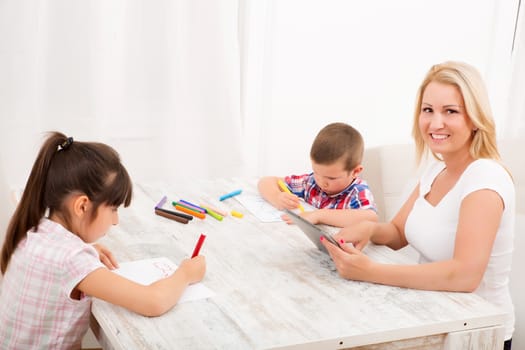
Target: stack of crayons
(185, 211)
(170, 214)
(189, 208)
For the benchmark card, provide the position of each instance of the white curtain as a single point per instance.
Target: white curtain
(157, 80)
(515, 123)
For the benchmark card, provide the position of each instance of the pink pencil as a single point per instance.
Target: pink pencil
(215, 209)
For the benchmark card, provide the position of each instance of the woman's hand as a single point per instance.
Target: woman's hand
(106, 256)
(350, 262)
(358, 234)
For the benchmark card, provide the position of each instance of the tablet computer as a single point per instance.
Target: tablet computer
(311, 231)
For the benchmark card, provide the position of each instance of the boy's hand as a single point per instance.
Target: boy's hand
(287, 201)
(106, 256)
(311, 216)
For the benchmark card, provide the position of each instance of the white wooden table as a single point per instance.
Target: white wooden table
(274, 289)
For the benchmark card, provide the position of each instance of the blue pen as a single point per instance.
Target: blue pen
(229, 195)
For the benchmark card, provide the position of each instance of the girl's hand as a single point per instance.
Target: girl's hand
(350, 262)
(194, 268)
(106, 256)
(358, 234)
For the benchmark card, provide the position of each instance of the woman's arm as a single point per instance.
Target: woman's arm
(479, 219)
(391, 233)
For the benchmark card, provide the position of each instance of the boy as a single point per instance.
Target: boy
(336, 155)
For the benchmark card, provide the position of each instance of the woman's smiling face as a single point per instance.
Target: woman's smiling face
(443, 121)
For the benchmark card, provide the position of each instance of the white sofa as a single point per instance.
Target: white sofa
(392, 174)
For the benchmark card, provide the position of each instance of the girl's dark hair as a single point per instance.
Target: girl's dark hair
(64, 167)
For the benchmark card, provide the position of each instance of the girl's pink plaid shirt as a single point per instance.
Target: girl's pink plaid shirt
(36, 308)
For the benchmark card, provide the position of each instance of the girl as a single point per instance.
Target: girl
(51, 270)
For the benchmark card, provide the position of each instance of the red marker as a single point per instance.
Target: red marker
(198, 245)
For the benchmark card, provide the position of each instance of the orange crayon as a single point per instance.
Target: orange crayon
(189, 211)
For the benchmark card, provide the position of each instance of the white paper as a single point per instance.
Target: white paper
(259, 207)
(148, 271)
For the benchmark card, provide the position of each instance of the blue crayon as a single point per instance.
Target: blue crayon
(231, 194)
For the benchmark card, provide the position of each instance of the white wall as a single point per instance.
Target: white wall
(362, 62)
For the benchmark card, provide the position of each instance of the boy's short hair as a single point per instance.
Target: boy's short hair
(336, 141)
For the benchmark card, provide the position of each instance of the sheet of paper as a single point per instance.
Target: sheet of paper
(259, 207)
(148, 271)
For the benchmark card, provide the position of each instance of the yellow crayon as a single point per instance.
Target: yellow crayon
(237, 214)
(285, 188)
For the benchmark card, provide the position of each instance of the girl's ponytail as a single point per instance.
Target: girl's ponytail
(32, 206)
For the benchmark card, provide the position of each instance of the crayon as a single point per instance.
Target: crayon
(237, 214)
(190, 211)
(229, 195)
(184, 216)
(171, 216)
(161, 202)
(214, 214)
(192, 206)
(198, 246)
(215, 209)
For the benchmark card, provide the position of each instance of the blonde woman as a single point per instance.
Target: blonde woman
(460, 216)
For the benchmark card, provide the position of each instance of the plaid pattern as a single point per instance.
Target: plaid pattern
(36, 311)
(355, 196)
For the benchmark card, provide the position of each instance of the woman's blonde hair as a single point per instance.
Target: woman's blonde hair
(472, 88)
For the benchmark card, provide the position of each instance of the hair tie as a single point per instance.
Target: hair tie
(64, 145)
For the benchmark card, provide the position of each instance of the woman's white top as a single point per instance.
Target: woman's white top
(431, 230)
